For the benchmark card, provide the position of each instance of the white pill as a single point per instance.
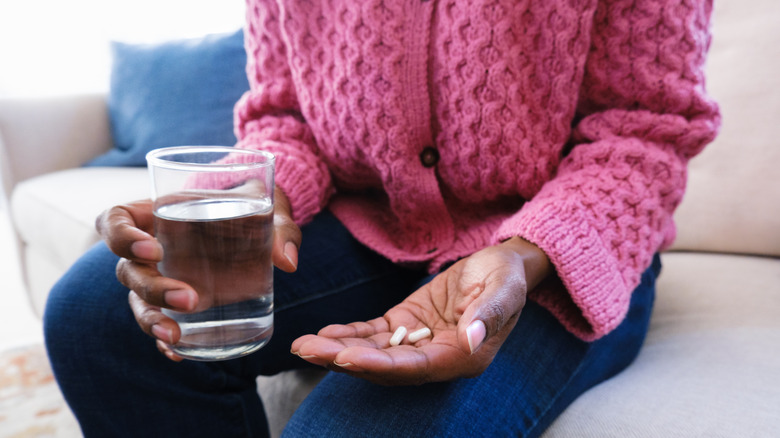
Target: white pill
(398, 336)
(419, 334)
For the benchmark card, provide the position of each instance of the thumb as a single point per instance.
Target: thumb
(492, 315)
(287, 235)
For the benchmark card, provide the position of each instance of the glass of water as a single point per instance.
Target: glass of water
(213, 216)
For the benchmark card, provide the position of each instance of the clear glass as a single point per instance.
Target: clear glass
(213, 216)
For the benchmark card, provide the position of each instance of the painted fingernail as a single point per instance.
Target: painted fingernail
(146, 249)
(312, 359)
(162, 333)
(475, 333)
(183, 299)
(348, 366)
(309, 356)
(291, 253)
(139, 234)
(172, 356)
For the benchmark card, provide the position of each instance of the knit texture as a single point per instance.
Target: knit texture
(568, 123)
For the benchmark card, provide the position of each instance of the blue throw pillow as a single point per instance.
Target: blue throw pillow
(174, 93)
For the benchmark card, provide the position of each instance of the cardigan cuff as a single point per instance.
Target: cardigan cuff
(590, 296)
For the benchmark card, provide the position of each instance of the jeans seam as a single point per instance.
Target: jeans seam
(561, 390)
(243, 416)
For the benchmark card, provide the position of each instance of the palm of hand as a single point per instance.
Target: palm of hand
(492, 277)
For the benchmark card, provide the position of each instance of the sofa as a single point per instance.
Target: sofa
(710, 366)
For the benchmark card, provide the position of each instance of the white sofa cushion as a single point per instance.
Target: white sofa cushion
(58, 210)
(709, 367)
(732, 203)
(55, 213)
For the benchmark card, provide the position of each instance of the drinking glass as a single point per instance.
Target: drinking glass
(213, 216)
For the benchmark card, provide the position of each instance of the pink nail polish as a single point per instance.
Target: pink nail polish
(348, 366)
(291, 253)
(146, 249)
(183, 299)
(475, 333)
(162, 333)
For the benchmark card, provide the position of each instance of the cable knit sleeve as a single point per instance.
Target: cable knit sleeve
(642, 114)
(268, 116)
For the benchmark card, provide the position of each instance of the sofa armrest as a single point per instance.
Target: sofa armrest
(42, 135)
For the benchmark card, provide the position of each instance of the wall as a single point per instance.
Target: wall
(56, 47)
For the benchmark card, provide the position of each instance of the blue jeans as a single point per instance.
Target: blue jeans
(118, 384)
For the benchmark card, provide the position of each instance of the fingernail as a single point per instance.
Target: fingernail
(307, 357)
(173, 356)
(162, 333)
(140, 234)
(475, 333)
(146, 249)
(348, 366)
(183, 299)
(291, 253)
(310, 356)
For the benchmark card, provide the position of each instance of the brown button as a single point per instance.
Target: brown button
(429, 157)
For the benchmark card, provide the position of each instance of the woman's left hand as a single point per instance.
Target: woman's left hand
(470, 309)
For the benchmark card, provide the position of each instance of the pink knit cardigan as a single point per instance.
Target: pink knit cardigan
(434, 128)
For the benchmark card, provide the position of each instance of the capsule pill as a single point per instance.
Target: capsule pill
(419, 334)
(398, 336)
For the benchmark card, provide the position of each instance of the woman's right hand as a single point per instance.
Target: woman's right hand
(128, 231)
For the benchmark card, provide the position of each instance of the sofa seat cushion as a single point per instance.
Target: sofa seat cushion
(709, 366)
(55, 212)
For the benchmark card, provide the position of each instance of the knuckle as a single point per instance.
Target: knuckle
(282, 220)
(145, 314)
(145, 291)
(99, 223)
(121, 270)
(286, 227)
(103, 220)
(497, 319)
(127, 274)
(291, 226)
(148, 314)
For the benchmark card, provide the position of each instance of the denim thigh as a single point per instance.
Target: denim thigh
(538, 372)
(118, 384)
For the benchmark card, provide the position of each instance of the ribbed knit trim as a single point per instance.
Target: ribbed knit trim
(587, 269)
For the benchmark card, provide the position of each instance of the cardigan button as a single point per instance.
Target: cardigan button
(429, 157)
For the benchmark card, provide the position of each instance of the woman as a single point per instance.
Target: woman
(501, 172)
